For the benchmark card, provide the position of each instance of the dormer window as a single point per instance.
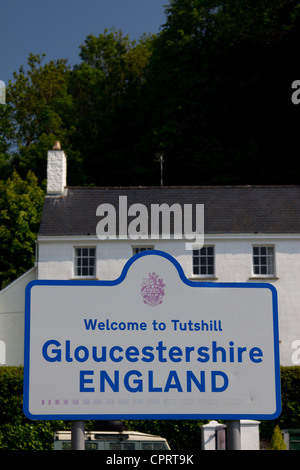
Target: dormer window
(85, 262)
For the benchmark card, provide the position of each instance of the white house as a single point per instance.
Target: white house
(252, 234)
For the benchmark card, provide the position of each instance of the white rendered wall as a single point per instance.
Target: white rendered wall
(233, 263)
(12, 307)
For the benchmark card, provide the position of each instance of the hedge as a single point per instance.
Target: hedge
(18, 432)
(290, 403)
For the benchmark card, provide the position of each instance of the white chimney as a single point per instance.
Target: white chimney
(56, 170)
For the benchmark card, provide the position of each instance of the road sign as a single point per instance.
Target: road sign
(151, 345)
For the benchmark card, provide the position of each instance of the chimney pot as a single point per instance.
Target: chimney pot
(56, 145)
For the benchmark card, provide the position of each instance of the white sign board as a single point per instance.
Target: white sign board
(151, 344)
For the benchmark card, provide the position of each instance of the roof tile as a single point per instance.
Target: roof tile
(227, 209)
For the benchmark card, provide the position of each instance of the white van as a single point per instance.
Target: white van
(112, 440)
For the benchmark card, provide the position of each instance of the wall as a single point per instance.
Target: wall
(233, 263)
(249, 434)
(12, 318)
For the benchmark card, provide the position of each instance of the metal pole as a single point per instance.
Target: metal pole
(233, 435)
(77, 435)
(159, 157)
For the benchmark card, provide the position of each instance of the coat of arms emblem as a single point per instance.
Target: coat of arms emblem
(153, 290)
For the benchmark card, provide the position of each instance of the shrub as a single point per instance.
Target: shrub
(277, 442)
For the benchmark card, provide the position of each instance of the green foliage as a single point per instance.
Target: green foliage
(26, 437)
(11, 390)
(90, 109)
(21, 203)
(41, 109)
(39, 98)
(219, 75)
(107, 90)
(182, 435)
(290, 414)
(6, 136)
(16, 431)
(277, 442)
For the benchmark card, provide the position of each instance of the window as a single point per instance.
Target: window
(85, 262)
(121, 446)
(138, 249)
(263, 261)
(203, 261)
(153, 445)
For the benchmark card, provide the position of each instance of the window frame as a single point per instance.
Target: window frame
(141, 248)
(75, 265)
(268, 274)
(213, 256)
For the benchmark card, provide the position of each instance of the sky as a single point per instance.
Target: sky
(58, 27)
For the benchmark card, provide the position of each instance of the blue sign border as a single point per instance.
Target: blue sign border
(150, 416)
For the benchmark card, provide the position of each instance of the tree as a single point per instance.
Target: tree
(93, 110)
(219, 78)
(41, 110)
(106, 87)
(277, 442)
(38, 97)
(21, 203)
(6, 137)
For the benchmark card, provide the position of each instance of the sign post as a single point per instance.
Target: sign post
(151, 345)
(233, 435)
(77, 435)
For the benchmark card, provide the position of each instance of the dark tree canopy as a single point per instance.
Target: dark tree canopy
(212, 91)
(222, 72)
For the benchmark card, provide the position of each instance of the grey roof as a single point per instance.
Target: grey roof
(228, 209)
